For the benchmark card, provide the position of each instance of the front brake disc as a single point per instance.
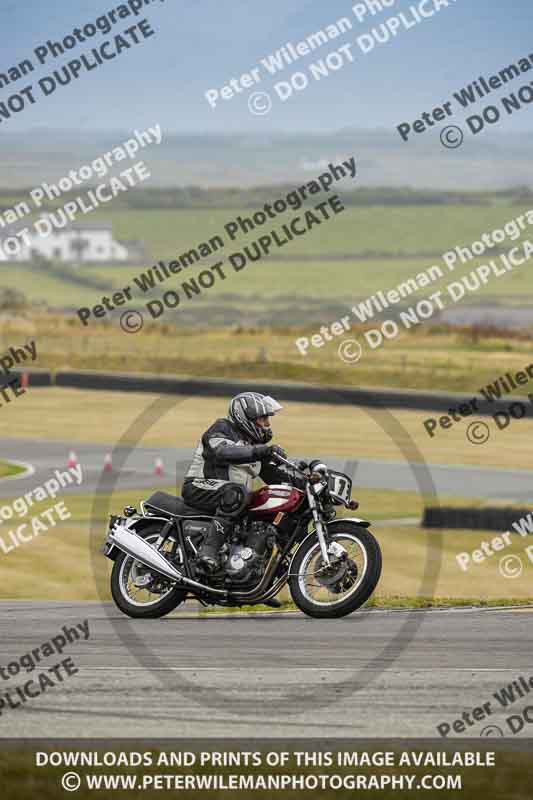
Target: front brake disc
(327, 576)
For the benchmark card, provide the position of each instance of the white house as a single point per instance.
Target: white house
(80, 242)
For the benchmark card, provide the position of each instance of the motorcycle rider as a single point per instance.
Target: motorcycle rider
(231, 453)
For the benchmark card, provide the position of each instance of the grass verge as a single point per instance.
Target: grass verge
(394, 601)
(7, 469)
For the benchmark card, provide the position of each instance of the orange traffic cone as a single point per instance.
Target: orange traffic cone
(158, 469)
(72, 459)
(24, 380)
(108, 463)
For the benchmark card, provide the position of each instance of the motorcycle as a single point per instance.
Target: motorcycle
(287, 535)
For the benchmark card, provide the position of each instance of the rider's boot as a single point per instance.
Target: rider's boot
(208, 554)
(273, 603)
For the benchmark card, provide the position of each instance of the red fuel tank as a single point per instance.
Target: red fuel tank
(274, 498)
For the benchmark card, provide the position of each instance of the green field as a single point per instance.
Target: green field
(386, 229)
(7, 469)
(353, 255)
(246, 326)
(358, 229)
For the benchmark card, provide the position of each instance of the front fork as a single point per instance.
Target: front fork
(319, 525)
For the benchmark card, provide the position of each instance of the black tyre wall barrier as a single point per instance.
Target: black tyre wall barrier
(296, 392)
(36, 377)
(489, 519)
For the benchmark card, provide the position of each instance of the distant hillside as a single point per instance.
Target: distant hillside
(196, 197)
(491, 161)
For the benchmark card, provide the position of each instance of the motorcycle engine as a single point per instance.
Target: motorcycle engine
(249, 550)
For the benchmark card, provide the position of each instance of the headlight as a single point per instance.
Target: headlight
(318, 466)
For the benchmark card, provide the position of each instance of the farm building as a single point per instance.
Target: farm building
(78, 243)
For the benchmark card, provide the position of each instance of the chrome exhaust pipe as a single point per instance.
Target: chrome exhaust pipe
(135, 546)
(269, 571)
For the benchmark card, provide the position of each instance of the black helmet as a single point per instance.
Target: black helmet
(244, 410)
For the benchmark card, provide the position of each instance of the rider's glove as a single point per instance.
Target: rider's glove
(263, 451)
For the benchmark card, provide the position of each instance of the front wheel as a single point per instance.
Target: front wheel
(335, 591)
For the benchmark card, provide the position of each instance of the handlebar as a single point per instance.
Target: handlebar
(351, 504)
(291, 464)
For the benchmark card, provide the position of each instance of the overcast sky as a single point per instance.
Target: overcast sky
(201, 44)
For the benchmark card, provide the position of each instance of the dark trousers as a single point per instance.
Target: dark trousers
(221, 498)
(226, 501)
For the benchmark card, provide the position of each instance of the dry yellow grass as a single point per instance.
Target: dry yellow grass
(105, 417)
(424, 358)
(406, 550)
(54, 566)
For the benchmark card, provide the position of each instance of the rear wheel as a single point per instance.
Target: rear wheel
(335, 591)
(138, 591)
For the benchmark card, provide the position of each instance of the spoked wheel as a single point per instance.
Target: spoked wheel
(337, 590)
(138, 591)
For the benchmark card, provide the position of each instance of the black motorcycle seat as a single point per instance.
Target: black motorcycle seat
(175, 506)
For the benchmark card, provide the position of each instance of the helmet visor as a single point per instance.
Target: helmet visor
(272, 406)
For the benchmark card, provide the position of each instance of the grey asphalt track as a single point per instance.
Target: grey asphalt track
(276, 675)
(136, 470)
